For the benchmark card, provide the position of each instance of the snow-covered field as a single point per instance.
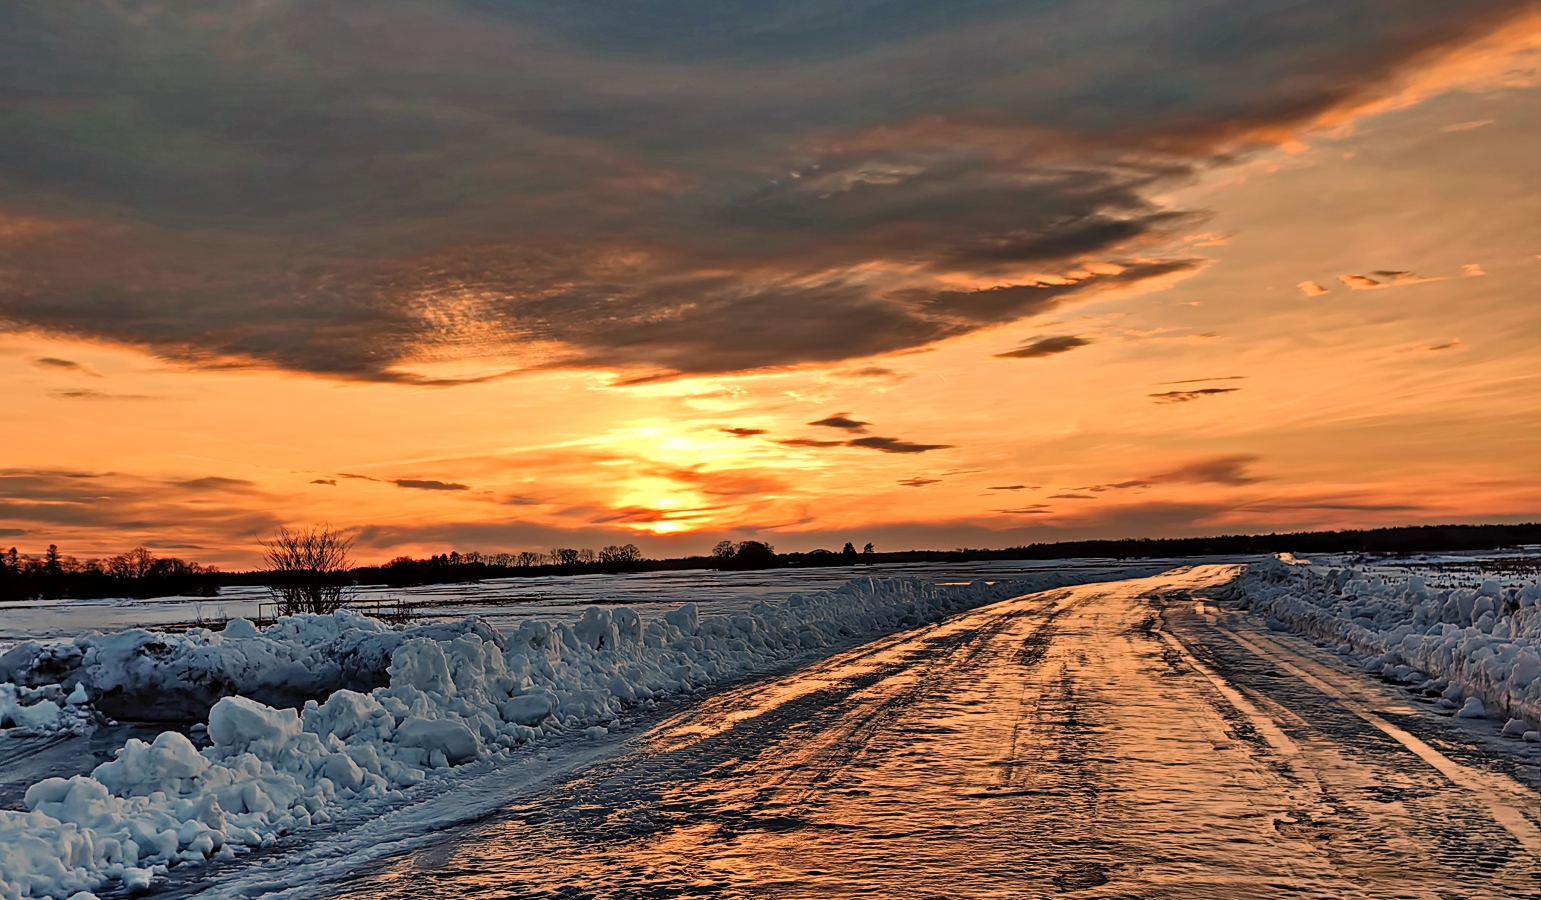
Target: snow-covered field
(504, 602)
(381, 710)
(1465, 629)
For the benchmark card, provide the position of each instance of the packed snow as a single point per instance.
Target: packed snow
(380, 710)
(1477, 648)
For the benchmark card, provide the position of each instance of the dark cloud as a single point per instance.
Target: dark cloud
(12, 532)
(1071, 497)
(351, 476)
(1036, 509)
(842, 421)
(742, 432)
(1045, 346)
(67, 365)
(420, 484)
(895, 445)
(1231, 470)
(919, 482)
(330, 481)
(1185, 396)
(885, 444)
(1009, 487)
(660, 187)
(870, 372)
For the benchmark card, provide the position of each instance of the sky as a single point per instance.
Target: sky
(502, 275)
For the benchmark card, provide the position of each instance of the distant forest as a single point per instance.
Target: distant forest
(140, 574)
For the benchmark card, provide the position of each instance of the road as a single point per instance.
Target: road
(1109, 740)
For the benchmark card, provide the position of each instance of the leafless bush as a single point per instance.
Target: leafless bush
(307, 569)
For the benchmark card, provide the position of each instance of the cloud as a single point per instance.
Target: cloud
(88, 394)
(419, 484)
(1071, 497)
(919, 482)
(842, 421)
(12, 532)
(894, 445)
(1467, 126)
(67, 365)
(215, 483)
(330, 481)
(1445, 346)
(79, 509)
(742, 432)
(1472, 270)
(884, 444)
(1384, 279)
(1186, 396)
(1035, 509)
(1045, 346)
(633, 187)
(1200, 380)
(1228, 470)
(1311, 289)
(1008, 487)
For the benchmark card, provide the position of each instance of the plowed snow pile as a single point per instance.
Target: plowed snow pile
(1478, 649)
(447, 694)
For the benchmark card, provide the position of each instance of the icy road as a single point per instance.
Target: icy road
(1122, 739)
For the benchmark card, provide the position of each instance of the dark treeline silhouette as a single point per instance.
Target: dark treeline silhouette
(137, 573)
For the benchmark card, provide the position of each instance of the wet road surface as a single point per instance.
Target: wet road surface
(1109, 740)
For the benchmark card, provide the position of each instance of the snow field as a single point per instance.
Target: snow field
(1479, 649)
(451, 693)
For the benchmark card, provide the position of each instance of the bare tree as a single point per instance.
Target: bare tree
(307, 569)
(622, 553)
(530, 558)
(564, 556)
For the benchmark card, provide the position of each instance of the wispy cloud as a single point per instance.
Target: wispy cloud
(421, 484)
(1045, 346)
(65, 365)
(1187, 396)
(841, 421)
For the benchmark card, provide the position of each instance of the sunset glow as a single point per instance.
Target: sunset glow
(735, 289)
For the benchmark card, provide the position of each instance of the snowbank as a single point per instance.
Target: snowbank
(451, 694)
(1479, 645)
(156, 677)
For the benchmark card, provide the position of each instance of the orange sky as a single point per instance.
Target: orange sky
(1353, 339)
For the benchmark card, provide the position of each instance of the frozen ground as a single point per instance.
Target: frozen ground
(505, 601)
(449, 694)
(1130, 739)
(1167, 736)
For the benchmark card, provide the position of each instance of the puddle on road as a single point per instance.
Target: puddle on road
(1045, 748)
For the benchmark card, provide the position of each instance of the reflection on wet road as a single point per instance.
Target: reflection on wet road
(1107, 740)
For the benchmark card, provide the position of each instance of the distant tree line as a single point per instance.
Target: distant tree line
(445, 568)
(138, 573)
(320, 580)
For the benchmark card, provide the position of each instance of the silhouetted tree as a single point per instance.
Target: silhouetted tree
(564, 556)
(307, 569)
(622, 553)
(848, 551)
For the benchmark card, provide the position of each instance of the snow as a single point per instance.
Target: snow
(1478, 648)
(380, 710)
